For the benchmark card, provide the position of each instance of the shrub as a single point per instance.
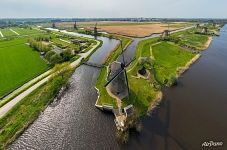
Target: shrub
(56, 58)
(171, 81)
(49, 54)
(67, 54)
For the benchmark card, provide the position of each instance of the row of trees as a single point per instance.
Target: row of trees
(43, 38)
(39, 46)
(55, 58)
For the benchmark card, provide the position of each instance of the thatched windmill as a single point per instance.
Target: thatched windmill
(75, 26)
(53, 25)
(197, 25)
(95, 29)
(165, 34)
(117, 78)
(204, 30)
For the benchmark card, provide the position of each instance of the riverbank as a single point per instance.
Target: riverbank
(210, 38)
(29, 108)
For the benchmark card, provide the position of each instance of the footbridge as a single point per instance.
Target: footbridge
(93, 64)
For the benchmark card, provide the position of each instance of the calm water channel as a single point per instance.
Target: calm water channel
(191, 113)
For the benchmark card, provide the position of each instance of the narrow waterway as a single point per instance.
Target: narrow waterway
(191, 113)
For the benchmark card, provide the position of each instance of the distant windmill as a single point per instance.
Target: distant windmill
(95, 29)
(197, 25)
(205, 30)
(165, 34)
(53, 25)
(75, 25)
(120, 71)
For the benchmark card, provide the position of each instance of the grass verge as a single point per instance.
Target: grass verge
(28, 109)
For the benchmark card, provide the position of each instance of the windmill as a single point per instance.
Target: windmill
(197, 25)
(53, 25)
(119, 72)
(205, 30)
(95, 29)
(75, 25)
(165, 34)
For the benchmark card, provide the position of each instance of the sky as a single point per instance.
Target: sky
(113, 8)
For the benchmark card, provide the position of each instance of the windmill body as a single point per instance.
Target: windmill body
(205, 30)
(75, 26)
(118, 86)
(165, 34)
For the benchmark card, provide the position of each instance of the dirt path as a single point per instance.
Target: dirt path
(1, 34)
(7, 107)
(14, 31)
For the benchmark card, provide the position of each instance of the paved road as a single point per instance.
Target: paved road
(7, 107)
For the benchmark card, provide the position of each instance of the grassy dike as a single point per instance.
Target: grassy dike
(104, 97)
(27, 110)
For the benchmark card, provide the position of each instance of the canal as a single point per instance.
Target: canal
(191, 113)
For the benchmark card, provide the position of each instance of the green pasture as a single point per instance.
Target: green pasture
(19, 64)
(168, 57)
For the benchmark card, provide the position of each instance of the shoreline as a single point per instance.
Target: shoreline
(180, 72)
(210, 38)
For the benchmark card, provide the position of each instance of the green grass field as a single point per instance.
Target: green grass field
(25, 31)
(21, 31)
(6, 32)
(189, 38)
(168, 57)
(19, 64)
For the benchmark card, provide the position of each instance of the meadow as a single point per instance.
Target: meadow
(19, 64)
(190, 39)
(26, 31)
(168, 57)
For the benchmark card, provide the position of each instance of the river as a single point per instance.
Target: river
(190, 113)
